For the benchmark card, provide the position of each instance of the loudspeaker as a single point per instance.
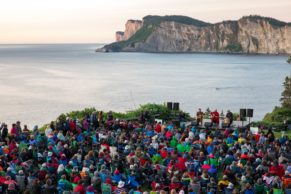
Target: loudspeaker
(208, 124)
(176, 106)
(250, 112)
(243, 113)
(170, 105)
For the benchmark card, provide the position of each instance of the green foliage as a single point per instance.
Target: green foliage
(289, 60)
(234, 47)
(207, 113)
(272, 21)
(155, 110)
(114, 47)
(277, 117)
(286, 94)
(141, 35)
(156, 20)
(77, 114)
(235, 116)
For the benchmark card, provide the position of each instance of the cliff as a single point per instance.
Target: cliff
(131, 27)
(251, 34)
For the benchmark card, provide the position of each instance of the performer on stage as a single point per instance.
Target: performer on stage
(215, 117)
(199, 117)
(229, 116)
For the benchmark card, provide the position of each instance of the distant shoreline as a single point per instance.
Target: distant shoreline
(204, 52)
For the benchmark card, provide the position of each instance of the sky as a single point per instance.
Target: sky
(96, 21)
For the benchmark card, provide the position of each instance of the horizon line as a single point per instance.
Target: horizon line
(44, 43)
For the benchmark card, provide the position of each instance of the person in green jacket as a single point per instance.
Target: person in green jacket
(260, 187)
(64, 184)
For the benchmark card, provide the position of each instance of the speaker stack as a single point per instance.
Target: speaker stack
(173, 106)
(250, 112)
(176, 106)
(243, 113)
(170, 105)
(246, 113)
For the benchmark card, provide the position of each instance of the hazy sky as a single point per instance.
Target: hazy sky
(95, 21)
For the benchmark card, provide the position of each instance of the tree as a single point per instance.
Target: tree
(286, 94)
(289, 60)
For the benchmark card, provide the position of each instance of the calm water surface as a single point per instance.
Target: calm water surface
(38, 82)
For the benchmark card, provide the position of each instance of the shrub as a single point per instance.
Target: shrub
(155, 110)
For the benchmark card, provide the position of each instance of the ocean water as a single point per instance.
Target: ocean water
(38, 82)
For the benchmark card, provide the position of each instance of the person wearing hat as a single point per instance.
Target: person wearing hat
(120, 188)
(212, 171)
(106, 187)
(186, 179)
(286, 179)
(90, 190)
(212, 186)
(248, 190)
(36, 188)
(195, 185)
(259, 187)
(204, 178)
(20, 178)
(229, 188)
(116, 176)
(80, 188)
(222, 184)
(11, 189)
(64, 184)
(49, 188)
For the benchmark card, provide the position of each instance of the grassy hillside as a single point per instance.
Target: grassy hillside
(140, 36)
(277, 117)
(156, 20)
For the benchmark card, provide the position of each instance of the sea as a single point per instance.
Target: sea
(38, 82)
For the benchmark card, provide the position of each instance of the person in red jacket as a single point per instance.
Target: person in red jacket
(277, 169)
(158, 128)
(215, 117)
(13, 130)
(80, 188)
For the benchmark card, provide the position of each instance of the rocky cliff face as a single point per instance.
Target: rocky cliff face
(131, 27)
(251, 34)
(119, 36)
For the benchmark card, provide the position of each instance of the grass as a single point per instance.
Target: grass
(279, 134)
(277, 117)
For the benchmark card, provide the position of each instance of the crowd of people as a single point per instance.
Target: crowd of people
(107, 155)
